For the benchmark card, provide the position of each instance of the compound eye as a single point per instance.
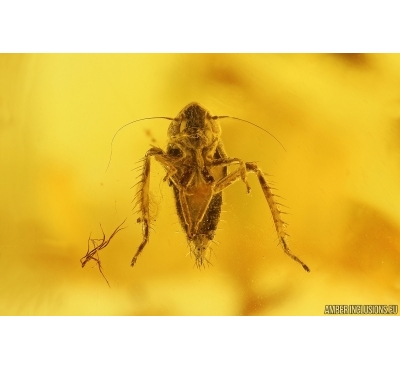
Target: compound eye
(174, 128)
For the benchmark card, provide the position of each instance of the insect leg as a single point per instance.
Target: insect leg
(143, 201)
(242, 171)
(276, 213)
(269, 196)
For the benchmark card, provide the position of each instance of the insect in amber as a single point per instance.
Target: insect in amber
(196, 167)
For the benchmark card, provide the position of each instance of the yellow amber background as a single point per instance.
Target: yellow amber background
(336, 115)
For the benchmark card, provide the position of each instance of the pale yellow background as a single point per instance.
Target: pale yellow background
(336, 115)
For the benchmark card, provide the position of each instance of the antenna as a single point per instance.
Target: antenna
(251, 123)
(141, 119)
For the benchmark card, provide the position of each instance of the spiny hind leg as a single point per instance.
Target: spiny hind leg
(269, 196)
(142, 196)
(143, 204)
(275, 211)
